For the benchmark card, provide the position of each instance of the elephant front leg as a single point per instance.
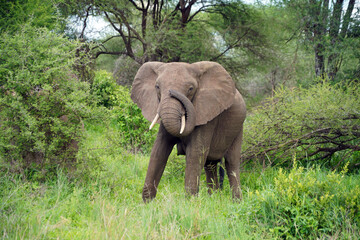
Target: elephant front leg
(160, 152)
(197, 150)
(192, 175)
(195, 161)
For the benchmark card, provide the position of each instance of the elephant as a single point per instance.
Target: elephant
(200, 110)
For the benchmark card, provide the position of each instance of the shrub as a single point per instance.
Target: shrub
(105, 89)
(41, 100)
(134, 128)
(321, 123)
(131, 128)
(308, 204)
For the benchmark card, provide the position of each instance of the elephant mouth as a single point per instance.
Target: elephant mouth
(183, 123)
(177, 114)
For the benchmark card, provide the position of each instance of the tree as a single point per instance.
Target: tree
(326, 26)
(42, 101)
(177, 30)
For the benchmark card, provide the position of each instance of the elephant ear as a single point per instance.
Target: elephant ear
(216, 91)
(143, 91)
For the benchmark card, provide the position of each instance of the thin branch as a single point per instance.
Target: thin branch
(110, 53)
(201, 9)
(231, 46)
(105, 41)
(113, 25)
(136, 6)
(125, 21)
(85, 23)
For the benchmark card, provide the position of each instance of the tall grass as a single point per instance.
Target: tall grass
(106, 203)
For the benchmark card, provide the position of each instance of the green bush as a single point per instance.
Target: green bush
(308, 204)
(320, 124)
(105, 89)
(41, 100)
(129, 129)
(134, 128)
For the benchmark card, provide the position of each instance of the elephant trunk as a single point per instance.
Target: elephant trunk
(176, 110)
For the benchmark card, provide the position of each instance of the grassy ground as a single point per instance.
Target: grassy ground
(106, 203)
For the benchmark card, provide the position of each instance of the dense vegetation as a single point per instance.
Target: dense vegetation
(42, 101)
(74, 148)
(297, 203)
(319, 125)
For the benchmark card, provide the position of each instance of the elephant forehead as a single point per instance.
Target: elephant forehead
(174, 65)
(173, 76)
(177, 70)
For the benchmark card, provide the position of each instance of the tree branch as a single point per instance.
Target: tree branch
(110, 53)
(85, 23)
(136, 6)
(231, 46)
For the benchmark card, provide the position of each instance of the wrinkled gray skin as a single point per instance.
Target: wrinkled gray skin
(215, 111)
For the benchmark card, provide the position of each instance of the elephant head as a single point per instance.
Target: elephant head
(182, 95)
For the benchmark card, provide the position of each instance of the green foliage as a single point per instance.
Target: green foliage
(240, 35)
(309, 204)
(327, 30)
(41, 100)
(311, 124)
(105, 89)
(301, 203)
(172, 43)
(128, 128)
(39, 13)
(176, 164)
(134, 128)
(351, 61)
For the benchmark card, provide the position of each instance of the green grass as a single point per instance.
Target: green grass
(105, 202)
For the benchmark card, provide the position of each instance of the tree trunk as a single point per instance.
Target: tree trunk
(335, 21)
(319, 60)
(347, 18)
(337, 35)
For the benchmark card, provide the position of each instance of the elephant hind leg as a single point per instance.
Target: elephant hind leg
(211, 175)
(233, 172)
(232, 165)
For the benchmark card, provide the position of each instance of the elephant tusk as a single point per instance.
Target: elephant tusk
(154, 121)
(182, 124)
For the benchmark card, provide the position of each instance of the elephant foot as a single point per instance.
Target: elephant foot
(237, 195)
(149, 193)
(191, 191)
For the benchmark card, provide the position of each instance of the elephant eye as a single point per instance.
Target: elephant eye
(191, 89)
(157, 88)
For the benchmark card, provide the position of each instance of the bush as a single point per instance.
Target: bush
(308, 204)
(134, 128)
(320, 124)
(41, 102)
(104, 89)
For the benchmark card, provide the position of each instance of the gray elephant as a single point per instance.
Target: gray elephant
(200, 110)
